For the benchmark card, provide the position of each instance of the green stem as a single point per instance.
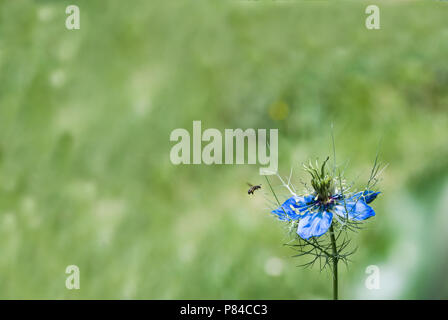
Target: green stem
(335, 264)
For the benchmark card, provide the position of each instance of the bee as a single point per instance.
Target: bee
(252, 188)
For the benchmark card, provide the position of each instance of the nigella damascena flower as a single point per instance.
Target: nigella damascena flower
(315, 212)
(329, 208)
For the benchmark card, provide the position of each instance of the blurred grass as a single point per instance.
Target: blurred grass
(85, 118)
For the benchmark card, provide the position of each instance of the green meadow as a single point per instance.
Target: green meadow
(85, 120)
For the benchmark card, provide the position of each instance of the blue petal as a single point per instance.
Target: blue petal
(304, 202)
(356, 210)
(367, 196)
(280, 213)
(286, 211)
(314, 224)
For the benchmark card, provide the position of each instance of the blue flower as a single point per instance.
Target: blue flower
(315, 217)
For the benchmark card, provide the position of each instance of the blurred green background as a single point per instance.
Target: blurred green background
(85, 120)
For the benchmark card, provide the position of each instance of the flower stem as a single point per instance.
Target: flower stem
(335, 264)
